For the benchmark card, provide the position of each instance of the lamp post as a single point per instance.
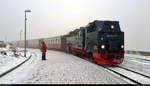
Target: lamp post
(25, 31)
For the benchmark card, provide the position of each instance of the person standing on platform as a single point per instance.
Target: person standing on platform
(43, 48)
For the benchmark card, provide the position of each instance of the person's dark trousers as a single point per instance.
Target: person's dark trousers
(43, 56)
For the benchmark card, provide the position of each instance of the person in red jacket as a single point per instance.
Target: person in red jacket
(43, 48)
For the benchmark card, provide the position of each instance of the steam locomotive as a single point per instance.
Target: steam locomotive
(102, 41)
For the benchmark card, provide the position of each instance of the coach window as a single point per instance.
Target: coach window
(58, 41)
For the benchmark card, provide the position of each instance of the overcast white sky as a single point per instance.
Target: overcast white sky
(57, 17)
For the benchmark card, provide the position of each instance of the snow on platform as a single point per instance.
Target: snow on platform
(59, 68)
(9, 61)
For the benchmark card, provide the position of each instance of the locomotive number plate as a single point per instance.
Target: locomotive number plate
(112, 35)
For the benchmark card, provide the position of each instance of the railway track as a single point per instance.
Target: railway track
(134, 71)
(138, 58)
(138, 67)
(132, 76)
(122, 75)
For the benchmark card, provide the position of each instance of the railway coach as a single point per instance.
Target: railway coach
(56, 43)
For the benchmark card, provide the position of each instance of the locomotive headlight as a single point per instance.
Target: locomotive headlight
(102, 38)
(102, 46)
(122, 46)
(112, 26)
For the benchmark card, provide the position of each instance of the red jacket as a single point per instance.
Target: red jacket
(44, 47)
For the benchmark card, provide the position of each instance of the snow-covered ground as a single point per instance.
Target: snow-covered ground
(10, 61)
(59, 68)
(138, 56)
(139, 78)
(140, 66)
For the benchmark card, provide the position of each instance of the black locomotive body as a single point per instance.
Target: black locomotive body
(103, 41)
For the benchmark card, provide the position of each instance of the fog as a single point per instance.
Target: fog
(57, 17)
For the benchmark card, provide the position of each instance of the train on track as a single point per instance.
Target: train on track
(101, 41)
